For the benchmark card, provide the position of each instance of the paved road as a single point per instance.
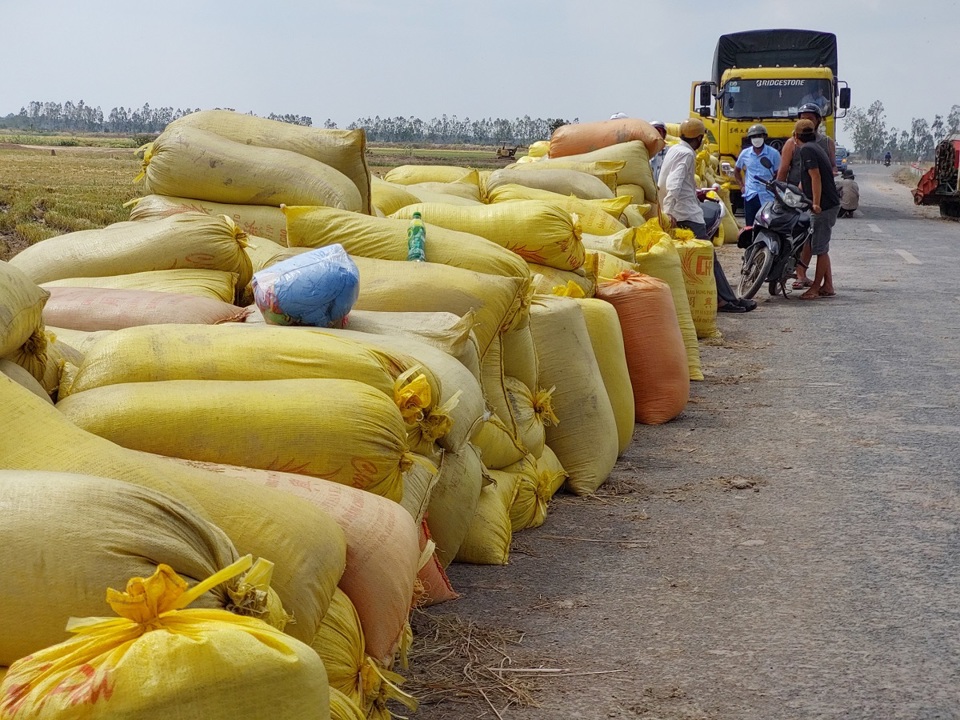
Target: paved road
(830, 588)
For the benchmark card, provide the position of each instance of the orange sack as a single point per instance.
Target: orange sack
(656, 356)
(587, 137)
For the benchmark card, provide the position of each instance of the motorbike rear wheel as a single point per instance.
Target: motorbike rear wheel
(754, 272)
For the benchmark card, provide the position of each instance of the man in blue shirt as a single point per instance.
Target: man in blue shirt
(749, 171)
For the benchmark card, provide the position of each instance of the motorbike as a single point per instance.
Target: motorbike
(886, 162)
(713, 209)
(772, 245)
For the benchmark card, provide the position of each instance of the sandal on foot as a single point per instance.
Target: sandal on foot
(808, 296)
(800, 284)
(827, 294)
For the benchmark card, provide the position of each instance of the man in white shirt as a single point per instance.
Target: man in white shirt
(678, 197)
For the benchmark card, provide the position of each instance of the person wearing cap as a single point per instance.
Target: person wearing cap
(679, 199)
(790, 171)
(849, 194)
(656, 162)
(750, 171)
(816, 179)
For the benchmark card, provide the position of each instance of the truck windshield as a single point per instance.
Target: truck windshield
(767, 98)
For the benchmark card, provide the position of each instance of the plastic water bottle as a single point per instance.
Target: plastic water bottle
(416, 240)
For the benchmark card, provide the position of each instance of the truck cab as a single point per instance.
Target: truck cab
(765, 76)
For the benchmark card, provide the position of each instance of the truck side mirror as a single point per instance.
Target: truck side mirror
(844, 98)
(706, 99)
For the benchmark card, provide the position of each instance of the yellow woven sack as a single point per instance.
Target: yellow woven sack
(635, 169)
(488, 538)
(412, 174)
(696, 260)
(289, 425)
(658, 256)
(520, 356)
(231, 352)
(215, 284)
(538, 149)
(466, 188)
(560, 180)
(603, 326)
(305, 543)
(599, 217)
(546, 279)
(729, 230)
(585, 438)
(609, 266)
(634, 194)
(78, 532)
(389, 197)
(21, 307)
(187, 240)
(637, 215)
(401, 286)
(344, 150)
(537, 231)
(190, 162)
(23, 378)
(443, 330)
(209, 664)
(339, 643)
(452, 407)
(497, 445)
(77, 339)
(604, 170)
(454, 499)
(45, 357)
(343, 708)
(532, 413)
(383, 554)
(621, 244)
(261, 220)
(386, 239)
(538, 480)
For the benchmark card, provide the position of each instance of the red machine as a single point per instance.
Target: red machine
(940, 185)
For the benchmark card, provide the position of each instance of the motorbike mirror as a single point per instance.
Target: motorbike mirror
(765, 161)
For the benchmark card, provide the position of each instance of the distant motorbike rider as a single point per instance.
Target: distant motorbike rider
(749, 171)
(680, 200)
(886, 158)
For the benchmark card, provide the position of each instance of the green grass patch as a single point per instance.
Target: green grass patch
(99, 140)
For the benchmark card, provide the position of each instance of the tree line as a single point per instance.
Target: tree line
(446, 130)
(79, 117)
(872, 139)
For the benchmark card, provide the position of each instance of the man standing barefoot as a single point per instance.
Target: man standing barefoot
(816, 178)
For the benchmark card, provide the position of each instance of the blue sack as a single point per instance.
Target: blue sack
(315, 288)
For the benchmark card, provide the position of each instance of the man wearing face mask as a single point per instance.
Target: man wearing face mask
(680, 200)
(750, 171)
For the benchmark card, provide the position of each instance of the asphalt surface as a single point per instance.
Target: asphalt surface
(787, 548)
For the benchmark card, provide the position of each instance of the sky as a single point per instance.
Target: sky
(347, 59)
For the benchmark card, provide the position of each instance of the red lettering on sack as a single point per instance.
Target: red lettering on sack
(86, 692)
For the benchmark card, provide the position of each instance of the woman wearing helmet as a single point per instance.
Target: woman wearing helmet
(750, 171)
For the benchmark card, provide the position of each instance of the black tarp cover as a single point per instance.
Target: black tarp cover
(769, 48)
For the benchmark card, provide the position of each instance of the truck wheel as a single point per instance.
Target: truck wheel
(950, 209)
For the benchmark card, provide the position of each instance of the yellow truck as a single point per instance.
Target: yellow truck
(765, 76)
